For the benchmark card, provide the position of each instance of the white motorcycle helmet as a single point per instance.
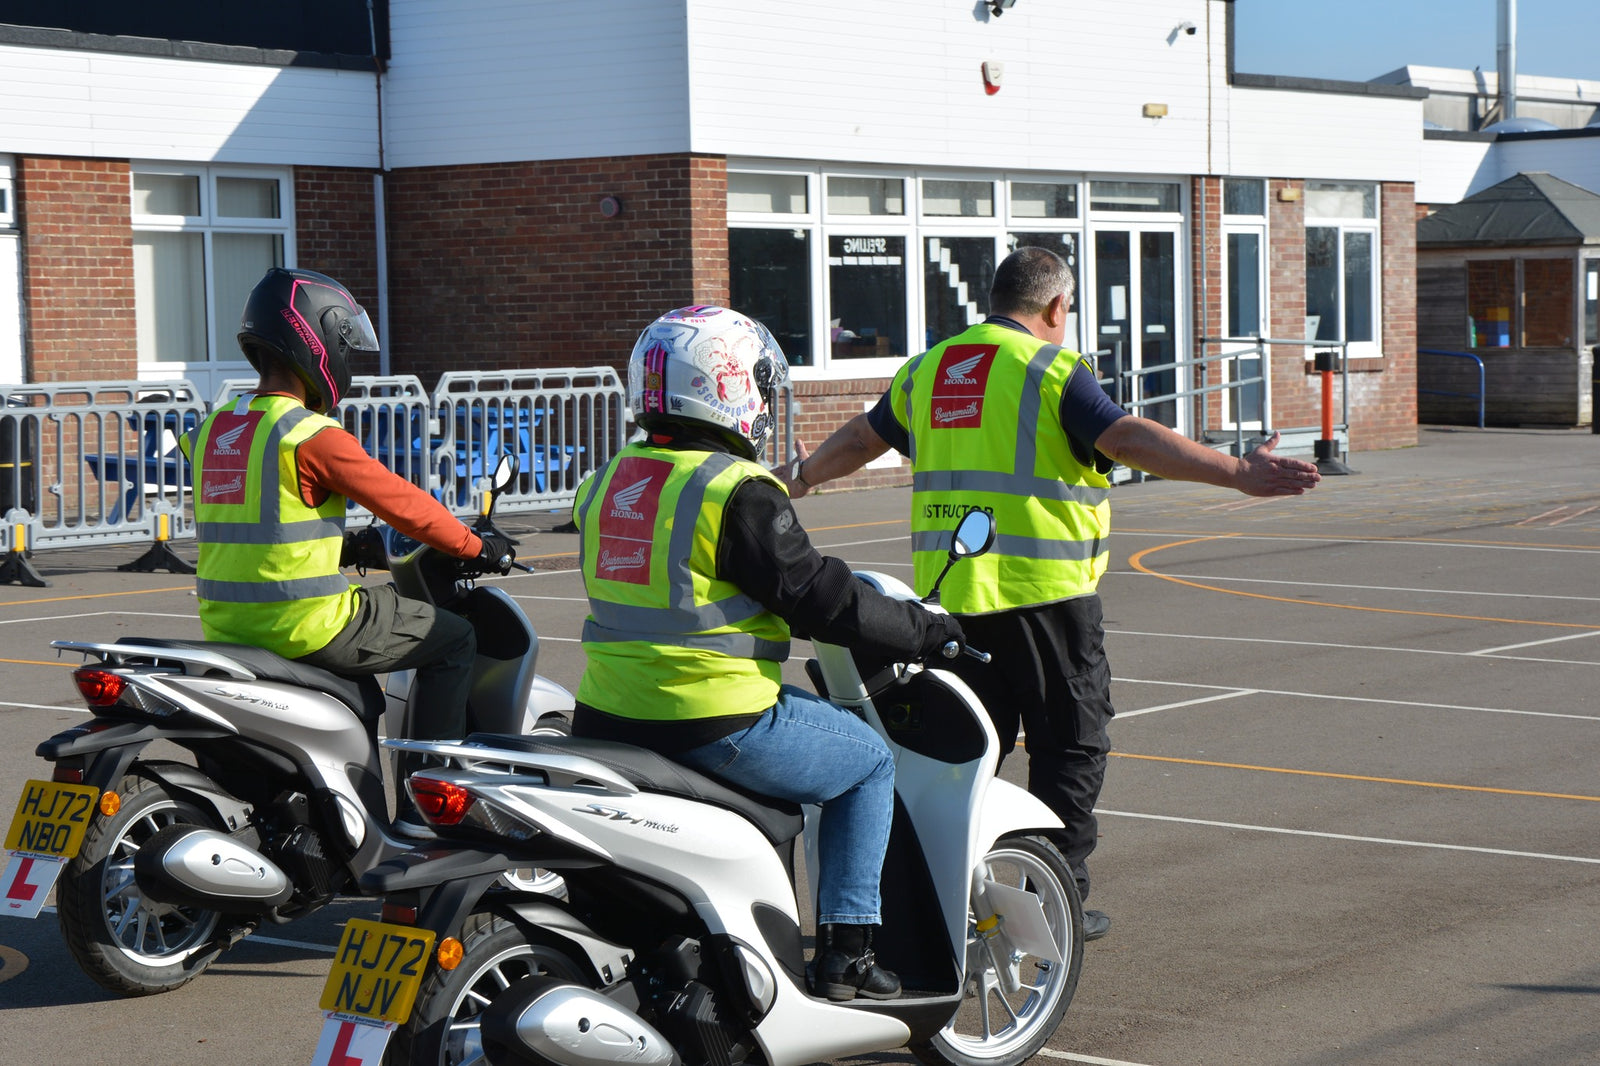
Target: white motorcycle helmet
(708, 366)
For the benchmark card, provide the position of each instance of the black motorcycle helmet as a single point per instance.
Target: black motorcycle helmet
(309, 322)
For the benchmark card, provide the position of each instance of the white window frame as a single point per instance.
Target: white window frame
(8, 194)
(1257, 226)
(1372, 349)
(217, 364)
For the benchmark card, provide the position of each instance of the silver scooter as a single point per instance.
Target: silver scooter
(282, 806)
(680, 941)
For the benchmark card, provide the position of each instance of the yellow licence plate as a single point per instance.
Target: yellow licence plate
(51, 818)
(377, 970)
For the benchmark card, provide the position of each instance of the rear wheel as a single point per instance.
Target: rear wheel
(128, 944)
(1015, 1000)
(444, 1027)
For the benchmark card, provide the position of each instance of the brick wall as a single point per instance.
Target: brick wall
(1208, 310)
(1386, 415)
(336, 234)
(1295, 399)
(513, 264)
(77, 269)
(823, 406)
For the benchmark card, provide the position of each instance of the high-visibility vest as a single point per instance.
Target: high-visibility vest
(981, 413)
(666, 639)
(268, 572)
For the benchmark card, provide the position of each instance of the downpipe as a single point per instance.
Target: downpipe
(543, 1021)
(190, 866)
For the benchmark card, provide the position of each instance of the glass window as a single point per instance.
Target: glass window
(1491, 293)
(866, 196)
(1244, 285)
(1141, 196)
(1244, 196)
(1547, 303)
(201, 241)
(956, 275)
(769, 279)
(958, 199)
(166, 194)
(768, 194)
(867, 296)
(1044, 200)
(1340, 276)
(1330, 199)
(170, 323)
(1066, 246)
(248, 198)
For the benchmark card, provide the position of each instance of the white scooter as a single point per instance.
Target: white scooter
(681, 940)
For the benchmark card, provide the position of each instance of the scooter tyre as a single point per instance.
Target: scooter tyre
(495, 952)
(1034, 863)
(125, 943)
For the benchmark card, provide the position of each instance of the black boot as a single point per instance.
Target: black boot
(846, 967)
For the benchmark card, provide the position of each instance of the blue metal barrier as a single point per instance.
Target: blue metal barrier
(1479, 395)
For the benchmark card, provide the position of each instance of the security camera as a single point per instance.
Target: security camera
(1187, 27)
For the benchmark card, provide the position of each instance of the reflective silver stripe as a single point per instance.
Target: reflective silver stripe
(631, 618)
(1026, 452)
(1053, 549)
(580, 510)
(267, 533)
(300, 588)
(909, 384)
(736, 645)
(1008, 484)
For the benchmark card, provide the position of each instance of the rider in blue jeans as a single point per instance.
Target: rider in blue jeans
(696, 567)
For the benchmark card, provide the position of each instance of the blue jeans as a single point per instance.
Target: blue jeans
(807, 750)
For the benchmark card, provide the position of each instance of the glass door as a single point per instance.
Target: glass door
(1136, 318)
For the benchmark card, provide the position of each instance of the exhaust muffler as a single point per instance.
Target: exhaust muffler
(192, 866)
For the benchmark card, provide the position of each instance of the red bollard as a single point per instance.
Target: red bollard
(1326, 361)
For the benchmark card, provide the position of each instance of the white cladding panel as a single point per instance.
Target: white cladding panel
(1453, 170)
(61, 102)
(899, 82)
(1574, 159)
(1278, 133)
(485, 81)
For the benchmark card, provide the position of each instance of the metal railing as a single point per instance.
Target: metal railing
(1479, 395)
(96, 463)
(1256, 348)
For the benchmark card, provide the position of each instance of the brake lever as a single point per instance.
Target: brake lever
(954, 648)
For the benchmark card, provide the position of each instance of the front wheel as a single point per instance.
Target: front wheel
(128, 944)
(1014, 1000)
(444, 1026)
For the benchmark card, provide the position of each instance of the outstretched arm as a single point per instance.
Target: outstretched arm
(1155, 449)
(851, 446)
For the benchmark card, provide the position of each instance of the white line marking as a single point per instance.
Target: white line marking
(41, 706)
(1358, 839)
(1575, 514)
(94, 614)
(1353, 647)
(1190, 703)
(1547, 514)
(1234, 690)
(1090, 1059)
(1354, 542)
(1534, 644)
(1361, 588)
(254, 938)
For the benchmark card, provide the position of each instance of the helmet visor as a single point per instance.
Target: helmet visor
(358, 333)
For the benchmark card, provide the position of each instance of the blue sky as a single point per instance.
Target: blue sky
(1359, 39)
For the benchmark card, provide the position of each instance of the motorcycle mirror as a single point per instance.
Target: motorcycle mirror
(505, 472)
(974, 535)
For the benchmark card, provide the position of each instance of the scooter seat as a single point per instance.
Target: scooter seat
(363, 695)
(779, 820)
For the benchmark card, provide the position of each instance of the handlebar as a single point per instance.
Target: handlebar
(953, 648)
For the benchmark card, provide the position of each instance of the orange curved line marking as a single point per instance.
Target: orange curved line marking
(1137, 562)
(1359, 777)
(1376, 540)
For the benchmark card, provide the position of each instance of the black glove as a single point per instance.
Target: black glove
(498, 553)
(942, 629)
(363, 548)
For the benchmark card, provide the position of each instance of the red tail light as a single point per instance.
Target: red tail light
(100, 687)
(440, 802)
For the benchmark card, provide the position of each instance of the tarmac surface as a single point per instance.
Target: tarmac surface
(1350, 818)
